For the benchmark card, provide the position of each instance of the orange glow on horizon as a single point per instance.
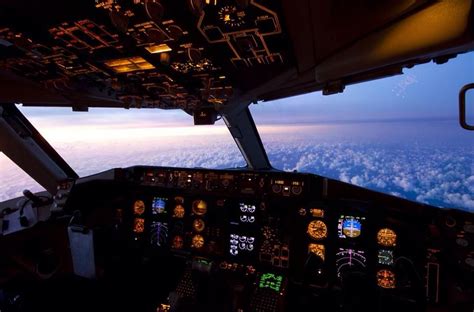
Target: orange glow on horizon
(105, 130)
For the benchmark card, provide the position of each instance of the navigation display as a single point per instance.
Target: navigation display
(159, 233)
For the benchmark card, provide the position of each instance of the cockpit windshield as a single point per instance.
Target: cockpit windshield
(102, 139)
(398, 135)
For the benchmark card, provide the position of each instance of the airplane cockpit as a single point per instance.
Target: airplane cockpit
(160, 238)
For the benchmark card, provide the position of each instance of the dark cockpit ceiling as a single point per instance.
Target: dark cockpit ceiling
(191, 54)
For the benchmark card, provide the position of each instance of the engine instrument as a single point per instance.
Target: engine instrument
(386, 279)
(139, 225)
(178, 211)
(385, 257)
(387, 237)
(198, 225)
(318, 249)
(197, 241)
(178, 242)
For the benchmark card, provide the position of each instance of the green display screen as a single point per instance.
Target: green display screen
(270, 280)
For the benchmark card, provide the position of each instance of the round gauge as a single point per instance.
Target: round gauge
(317, 229)
(351, 227)
(318, 249)
(386, 279)
(178, 211)
(139, 207)
(197, 241)
(231, 16)
(198, 225)
(469, 228)
(276, 188)
(469, 261)
(302, 212)
(387, 237)
(178, 242)
(462, 242)
(450, 221)
(139, 225)
(199, 207)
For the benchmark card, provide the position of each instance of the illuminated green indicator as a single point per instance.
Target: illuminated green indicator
(270, 280)
(206, 262)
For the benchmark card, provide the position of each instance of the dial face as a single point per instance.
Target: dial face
(231, 16)
(349, 260)
(386, 279)
(385, 257)
(199, 207)
(139, 225)
(197, 241)
(198, 225)
(351, 227)
(469, 261)
(177, 242)
(317, 229)
(318, 249)
(178, 211)
(139, 207)
(387, 237)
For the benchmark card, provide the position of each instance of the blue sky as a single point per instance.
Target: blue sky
(425, 91)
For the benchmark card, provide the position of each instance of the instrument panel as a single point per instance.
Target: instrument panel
(318, 234)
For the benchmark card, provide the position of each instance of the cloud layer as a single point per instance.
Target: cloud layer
(418, 165)
(442, 176)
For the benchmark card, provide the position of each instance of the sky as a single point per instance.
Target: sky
(398, 135)
(425, 91)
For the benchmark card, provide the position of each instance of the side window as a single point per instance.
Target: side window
(13, 180)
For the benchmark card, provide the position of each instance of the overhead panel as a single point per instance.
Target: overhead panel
(184, 54)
